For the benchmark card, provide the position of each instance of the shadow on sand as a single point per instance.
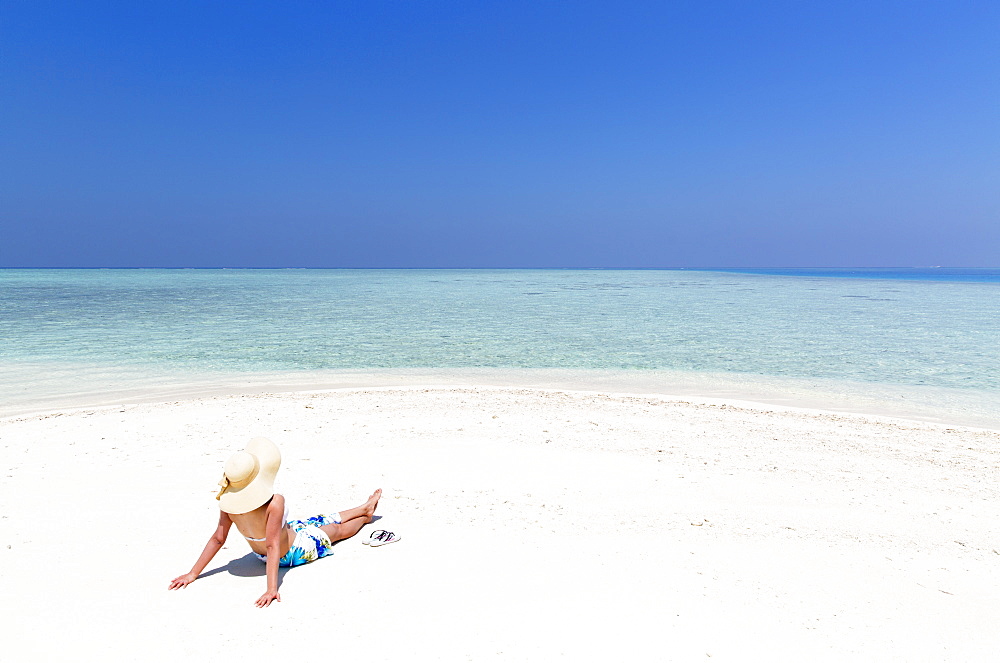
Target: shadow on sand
(247, 566)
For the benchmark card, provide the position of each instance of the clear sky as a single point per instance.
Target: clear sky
(513, 133)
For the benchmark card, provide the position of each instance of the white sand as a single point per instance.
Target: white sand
(536, 525)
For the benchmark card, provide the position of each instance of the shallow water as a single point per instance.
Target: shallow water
(74, 335)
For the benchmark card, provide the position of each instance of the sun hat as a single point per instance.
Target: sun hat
(248, 477)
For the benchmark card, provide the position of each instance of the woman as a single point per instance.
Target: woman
(248, 500)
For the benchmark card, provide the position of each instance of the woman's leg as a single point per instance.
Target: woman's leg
(352, 520)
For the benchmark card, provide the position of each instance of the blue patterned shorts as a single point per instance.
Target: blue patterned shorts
(310, 543)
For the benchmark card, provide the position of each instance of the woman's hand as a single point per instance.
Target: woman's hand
(182, 581)
(266, 599)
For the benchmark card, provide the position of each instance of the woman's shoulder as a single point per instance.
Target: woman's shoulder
(277, 504)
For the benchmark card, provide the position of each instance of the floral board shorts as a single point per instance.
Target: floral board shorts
(310, 543)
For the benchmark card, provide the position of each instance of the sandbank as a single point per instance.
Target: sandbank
(536, 524)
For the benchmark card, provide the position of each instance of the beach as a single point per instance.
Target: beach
(662, 332)
(536, 524)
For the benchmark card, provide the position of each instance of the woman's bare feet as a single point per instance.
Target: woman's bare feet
(371, 504)
(364, 512)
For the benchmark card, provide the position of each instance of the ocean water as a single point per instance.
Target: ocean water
(921, 342)
(973, 275)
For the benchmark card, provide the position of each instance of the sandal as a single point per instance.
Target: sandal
(374, 536)
(384, 538)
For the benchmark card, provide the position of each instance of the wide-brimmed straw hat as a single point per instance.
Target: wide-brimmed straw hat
(248, 477)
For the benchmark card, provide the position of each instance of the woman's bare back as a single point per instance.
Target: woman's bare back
(253, 525)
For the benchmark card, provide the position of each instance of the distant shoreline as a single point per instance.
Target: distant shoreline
(935, 273)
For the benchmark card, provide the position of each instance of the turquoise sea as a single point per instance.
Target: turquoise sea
(923, 343)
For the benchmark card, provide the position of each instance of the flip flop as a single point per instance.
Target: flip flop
(384, 538)
(374, 536)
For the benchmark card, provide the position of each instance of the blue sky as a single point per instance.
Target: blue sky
(499, 134)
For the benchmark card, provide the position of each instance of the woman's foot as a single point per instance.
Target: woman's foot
(371, 504)
(365, 512)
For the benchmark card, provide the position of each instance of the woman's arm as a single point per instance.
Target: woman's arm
(274, 530)
(213, 546)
